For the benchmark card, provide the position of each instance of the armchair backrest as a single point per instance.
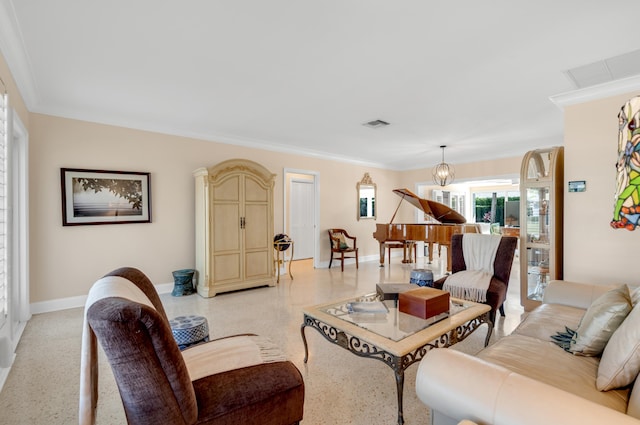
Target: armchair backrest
(502, 263)
(141, 280)
(149, 369)
(337, 237)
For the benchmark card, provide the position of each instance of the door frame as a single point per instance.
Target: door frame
(19, 263)
(315, 177)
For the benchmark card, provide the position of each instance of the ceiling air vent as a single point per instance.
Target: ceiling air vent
(606, 70)
(376, 124)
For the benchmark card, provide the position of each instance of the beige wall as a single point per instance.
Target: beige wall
(593, 251)
(498, 168)
(65, 261)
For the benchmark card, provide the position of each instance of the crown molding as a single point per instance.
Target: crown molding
(210, 137)
(596, 92)
(14, 52)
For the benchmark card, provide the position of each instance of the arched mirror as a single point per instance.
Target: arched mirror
(366, 191)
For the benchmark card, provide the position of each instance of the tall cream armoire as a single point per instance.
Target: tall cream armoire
(234, 226)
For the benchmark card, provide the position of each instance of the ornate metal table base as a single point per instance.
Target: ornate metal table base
(398, 363)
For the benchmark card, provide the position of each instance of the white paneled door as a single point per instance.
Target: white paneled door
(302, 217)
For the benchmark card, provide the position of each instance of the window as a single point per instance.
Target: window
(507, 207)
(454, 200)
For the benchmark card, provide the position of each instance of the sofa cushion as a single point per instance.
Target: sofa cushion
(620, 362)
(600, 321)
(546, 362)
(548, 319)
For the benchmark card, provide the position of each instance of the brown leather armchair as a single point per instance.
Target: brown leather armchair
(342, 243)
(157, 382)
(497, 292)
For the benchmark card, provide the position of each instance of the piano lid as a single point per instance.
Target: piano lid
(439, 211)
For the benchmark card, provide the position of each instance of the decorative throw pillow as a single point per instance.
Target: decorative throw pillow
(340, 243)
(600, 321)
(620, 363)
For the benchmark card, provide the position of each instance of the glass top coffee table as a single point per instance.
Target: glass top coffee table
(377, 329)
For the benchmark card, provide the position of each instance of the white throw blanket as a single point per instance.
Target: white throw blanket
(479, 252)
(230, 353)
(109, 286)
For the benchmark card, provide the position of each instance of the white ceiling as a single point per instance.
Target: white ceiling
(303, 76)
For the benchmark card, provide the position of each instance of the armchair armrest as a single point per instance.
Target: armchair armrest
(459, 386)
(353, 238)
(573, 294)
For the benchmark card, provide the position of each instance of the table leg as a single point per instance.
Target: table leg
(400, 390)
(304, 341)
(489, 332)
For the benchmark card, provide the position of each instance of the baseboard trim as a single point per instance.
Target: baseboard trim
(4, 373)
(79, 301)
(163, 288)
(367, 258)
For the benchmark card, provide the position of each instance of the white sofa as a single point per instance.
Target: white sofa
(525, 378)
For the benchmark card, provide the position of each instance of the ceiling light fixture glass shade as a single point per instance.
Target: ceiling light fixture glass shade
(443, 173)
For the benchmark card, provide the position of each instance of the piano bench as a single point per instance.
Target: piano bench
(410, 245)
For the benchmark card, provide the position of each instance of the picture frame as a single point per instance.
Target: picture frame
(105, 197)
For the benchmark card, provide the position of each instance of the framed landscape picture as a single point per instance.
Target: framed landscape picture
(105, 197)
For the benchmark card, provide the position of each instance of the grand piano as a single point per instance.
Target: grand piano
(445, 223)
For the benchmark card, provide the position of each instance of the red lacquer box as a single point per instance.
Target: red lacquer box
(424, 302)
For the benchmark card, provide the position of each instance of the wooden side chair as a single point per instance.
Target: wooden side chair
(342, 244)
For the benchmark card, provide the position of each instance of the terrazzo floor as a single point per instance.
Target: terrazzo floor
(341, 388)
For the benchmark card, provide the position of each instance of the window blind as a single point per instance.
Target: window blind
(3, 204)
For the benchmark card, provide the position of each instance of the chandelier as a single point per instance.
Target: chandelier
(443, 173)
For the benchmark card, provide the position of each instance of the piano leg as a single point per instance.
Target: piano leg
(448, 248)
(430, 248)
(382, 254)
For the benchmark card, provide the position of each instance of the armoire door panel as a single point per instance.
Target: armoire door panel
(256, 232)
(226, 267)
(226, 227)
(254, 191)
(257, 264)
(228, 189)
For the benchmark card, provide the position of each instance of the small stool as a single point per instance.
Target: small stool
(421, 277)
(183, 282)
(189, 330)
